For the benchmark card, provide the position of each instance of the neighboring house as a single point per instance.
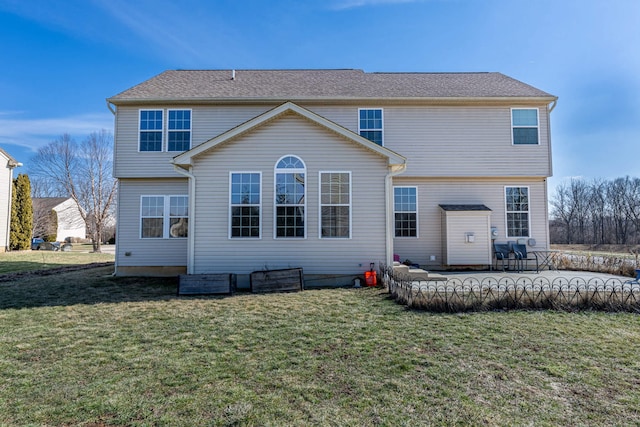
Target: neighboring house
(70, 222)
(328, 170)
(7, 165)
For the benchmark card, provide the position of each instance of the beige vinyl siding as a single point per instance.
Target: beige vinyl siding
(451, 141)
(463, 142)
(489, 191)
(5, 201)
(206, 123)
(259, 150)
(146, 252)
(458, 250)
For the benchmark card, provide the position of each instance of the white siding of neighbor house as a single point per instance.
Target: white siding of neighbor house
(146, 252)
(258, 151)
(489, 192)
(6, 183)
(439, 141)
(70, 222)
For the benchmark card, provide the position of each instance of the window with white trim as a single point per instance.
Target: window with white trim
(178, 130)
(151, 130)
(517, 208)
(245, 204)
(524, 124)
(335, 204)
(290, 198)
(164, 217)
(370, 124)
(405, 211)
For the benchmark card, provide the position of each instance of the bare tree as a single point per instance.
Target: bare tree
(612, 208)
(83, 172)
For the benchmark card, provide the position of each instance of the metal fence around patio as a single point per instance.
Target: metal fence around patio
(468, 293)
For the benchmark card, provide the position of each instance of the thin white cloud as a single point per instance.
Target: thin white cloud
(35, 133)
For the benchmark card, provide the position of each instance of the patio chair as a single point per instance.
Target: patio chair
(501, 252)
(522, 258)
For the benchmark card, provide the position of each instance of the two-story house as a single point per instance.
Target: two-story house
(233, 171)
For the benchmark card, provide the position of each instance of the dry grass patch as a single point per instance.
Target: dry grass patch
(86, 348)
(22, 261)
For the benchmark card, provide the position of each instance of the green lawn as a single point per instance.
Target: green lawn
(86, 348)
(11, 262)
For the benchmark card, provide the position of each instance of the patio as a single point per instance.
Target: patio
(456, 291)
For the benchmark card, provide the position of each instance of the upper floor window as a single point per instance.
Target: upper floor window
(179, 130)
(524, 123)
(290, 198)
(245, 204)
(517, 207)
(370, 124)
(405, 211)
(163, 217)
(151, 130)
(335, 204)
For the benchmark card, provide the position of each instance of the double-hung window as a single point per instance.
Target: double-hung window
(517, 208)
(290, 198)
(245, 204)
(405, 211)
(179, 130)
(524, 124)
(163, 217)
(370, 124)
(335, 204)
(151, 130)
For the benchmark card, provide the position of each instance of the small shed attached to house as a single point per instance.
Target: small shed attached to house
(466, 234)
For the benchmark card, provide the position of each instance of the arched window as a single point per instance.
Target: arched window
(290, 198)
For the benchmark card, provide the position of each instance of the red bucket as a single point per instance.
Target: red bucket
(370, 278)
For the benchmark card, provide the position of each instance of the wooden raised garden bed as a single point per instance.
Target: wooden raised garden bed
(286, 280)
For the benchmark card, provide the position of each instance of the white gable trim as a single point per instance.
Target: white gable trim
(186, 158)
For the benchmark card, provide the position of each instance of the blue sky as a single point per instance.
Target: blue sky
(60, 60)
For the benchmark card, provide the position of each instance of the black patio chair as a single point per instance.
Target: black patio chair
(501, 252)
(522, 258)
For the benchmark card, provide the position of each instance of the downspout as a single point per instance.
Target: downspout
(113, 174)
(192, 214)
(546, 182)
(395, 170)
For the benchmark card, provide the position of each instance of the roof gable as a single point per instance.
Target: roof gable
(322, 85)
(185, 158)
(12, 162)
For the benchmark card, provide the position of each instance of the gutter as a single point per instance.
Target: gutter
(321, 100)
(192, 212)
(395, 170)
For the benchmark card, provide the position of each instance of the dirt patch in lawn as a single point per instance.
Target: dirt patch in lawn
(9, 277)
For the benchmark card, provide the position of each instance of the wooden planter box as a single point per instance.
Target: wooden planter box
(206, 284)
(286, 280)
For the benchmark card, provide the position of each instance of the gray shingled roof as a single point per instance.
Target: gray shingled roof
(176, 85)
(47, 203)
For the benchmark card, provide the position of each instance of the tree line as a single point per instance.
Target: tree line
(66, 168)
(596, 211)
